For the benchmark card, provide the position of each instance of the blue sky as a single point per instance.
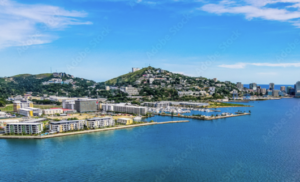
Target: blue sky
(235, 40)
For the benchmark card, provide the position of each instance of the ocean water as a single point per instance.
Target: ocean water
(264, 146)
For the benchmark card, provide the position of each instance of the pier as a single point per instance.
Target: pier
(88, 131)
(205, 118)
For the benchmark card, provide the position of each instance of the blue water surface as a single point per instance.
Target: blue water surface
(263, 146)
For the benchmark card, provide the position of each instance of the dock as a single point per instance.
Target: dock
(88, 131)
(205, 118)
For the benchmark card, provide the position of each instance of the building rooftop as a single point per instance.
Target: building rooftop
(66, 121)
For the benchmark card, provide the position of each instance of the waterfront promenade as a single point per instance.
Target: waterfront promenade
(88, 131)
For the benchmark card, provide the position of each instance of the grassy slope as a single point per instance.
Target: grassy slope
(222, 104)
(127, 77)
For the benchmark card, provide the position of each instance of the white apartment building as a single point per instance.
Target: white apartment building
(135, 69)
(53, 111)
(130, 90)
(30, 111)
(123, 108)
(26, 127)
(62, 126)
(191, 93)
(100, 122)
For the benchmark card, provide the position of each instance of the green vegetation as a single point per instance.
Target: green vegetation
(128, 78)
(7, 108)
(222, 104)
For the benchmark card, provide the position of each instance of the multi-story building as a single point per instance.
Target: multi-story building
(30, 111)
(297, 89)
(86, 105)
(123, 108)
(275, 93)
(130, 90)
(240, 86)
(135, 69)
(191, 93)
(157, 104)
(288, 89)
(53, 111)
(263, 91)
(23, 128)
(100, 122)
(271, 86)
(215, 79)
(21, 104)
(253, 86)
(282, 88)
(63, 126)
(68, 104)
(125, 121)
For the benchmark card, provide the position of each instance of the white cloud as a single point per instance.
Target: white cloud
(234, 66)
(243, 65)
(23, 24)
(257, 9)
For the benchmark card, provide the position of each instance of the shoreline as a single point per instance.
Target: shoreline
(88, 131)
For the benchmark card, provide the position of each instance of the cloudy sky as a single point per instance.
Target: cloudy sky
(236, 40)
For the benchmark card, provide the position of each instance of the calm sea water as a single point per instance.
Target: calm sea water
(264, 146)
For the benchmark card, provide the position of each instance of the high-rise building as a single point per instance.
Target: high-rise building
(288, 89)
(297, 89)
(282, 88)
(86, 105)
(258, 89)
(263, 91)
(253, 86)
(271, 86)
(275, 93)
(239, 85)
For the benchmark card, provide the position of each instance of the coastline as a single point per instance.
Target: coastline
(88, 131)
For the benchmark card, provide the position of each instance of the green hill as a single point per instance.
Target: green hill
(127, 78)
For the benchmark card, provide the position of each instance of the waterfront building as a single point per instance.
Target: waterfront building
(253, 86)
(125, 121)
(53, 111)
(21, 104)
(263, 91)
(270, 92)
(123, 108)
(240, 86)
(100, 122)
(23, 128)
(282, 88)
(297, 89)
(271, 86)
(157, 104)
(288, 89)
(30, 111)
(86, 105)
(275, 93)
(62, 126)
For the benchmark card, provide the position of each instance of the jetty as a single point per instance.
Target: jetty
(205, 117)
(88, 131)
